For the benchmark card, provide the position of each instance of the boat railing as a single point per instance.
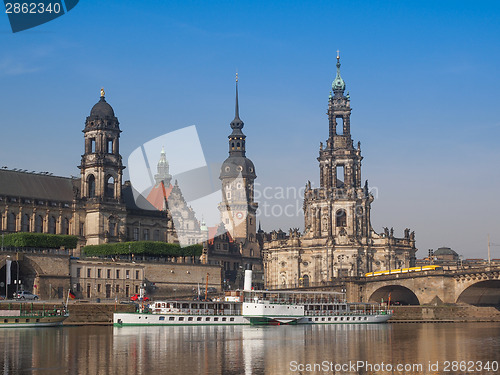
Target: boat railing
(195, 312)
(346, 313)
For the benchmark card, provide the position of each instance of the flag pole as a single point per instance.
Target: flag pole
(67, 298)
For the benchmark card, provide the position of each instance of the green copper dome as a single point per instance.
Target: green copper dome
(338, 84)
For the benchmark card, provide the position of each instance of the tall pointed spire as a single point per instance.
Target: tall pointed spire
(338, 85)
(237, 123)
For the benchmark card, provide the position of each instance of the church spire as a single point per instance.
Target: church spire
(237, 123)
(237, 138)
(338, 84)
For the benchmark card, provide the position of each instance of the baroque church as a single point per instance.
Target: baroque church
(338, 239)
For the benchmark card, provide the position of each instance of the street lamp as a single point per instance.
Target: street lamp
(7, 274)
(17, 276)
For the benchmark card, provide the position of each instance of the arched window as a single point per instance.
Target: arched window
(11, 222)
(341, 218)
(110, 187)
(238, 145)
(39, 224)
(52, 225)
(65, 226)
(305, 281)
(91, 185)
(112, 226)
(25, 223)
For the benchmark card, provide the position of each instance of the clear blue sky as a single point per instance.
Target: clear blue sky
(423, 78)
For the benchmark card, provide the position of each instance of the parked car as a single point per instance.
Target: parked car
(25, 295)
(210, 289)
(137, 297)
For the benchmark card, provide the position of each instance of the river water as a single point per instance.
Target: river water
(317, 349)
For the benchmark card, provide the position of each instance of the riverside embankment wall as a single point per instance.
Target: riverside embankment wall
(451, 313)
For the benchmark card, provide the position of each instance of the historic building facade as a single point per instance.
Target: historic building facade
(99, 207)
(338, 238)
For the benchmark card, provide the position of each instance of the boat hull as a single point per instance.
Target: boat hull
(31, 321)
(143, 319)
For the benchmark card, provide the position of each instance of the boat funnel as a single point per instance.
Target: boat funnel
(248, 280)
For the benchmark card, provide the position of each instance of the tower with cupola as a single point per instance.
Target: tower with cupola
(101, 172)
(338, 239)
(238, 208)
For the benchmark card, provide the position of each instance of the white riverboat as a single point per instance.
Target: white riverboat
(258, 307)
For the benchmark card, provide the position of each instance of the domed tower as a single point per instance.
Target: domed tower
(237, 175)
(101, 171)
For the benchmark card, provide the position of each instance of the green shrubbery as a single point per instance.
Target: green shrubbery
(149, 248)
(40, 240)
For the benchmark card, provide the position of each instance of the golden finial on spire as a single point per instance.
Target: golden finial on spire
(102, 92)
(338, 55)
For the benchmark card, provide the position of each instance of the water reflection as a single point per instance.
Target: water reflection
(242, 349)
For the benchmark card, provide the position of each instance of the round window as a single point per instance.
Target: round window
(227, 169)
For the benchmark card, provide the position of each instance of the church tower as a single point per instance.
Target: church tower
(348, 202)
(237, 174)
(163, 169)
(101, 171)
(338, 239)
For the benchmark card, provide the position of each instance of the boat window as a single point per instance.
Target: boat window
(335, 319)
(181, 319)
(207, 319)
(198, 319)
(171, 318)
(185, 305)
(216, 319)
(27, 320)
(224, 319)
(231, 319)
(6, 320)
(329, 319)
(162, 318)
(17, 320)
(194, 305)
(322, 319)
(37, 320)
(190, 319)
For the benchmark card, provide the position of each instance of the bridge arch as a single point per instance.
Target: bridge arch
(482, 293)
(25, 270)
(400, 295)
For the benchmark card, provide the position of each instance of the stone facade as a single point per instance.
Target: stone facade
(338, 238)
(97, 207)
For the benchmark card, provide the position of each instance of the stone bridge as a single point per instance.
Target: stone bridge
(475, 286)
